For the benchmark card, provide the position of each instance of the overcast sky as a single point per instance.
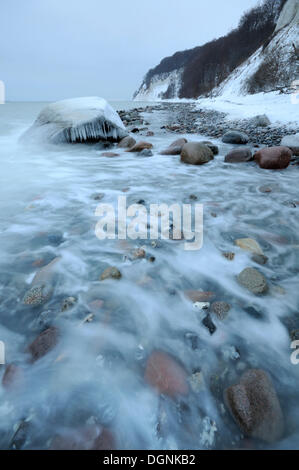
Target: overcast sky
(55, 49)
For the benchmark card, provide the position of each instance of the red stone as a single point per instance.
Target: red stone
(13, 376)
(199, 296)
(85, 438)
(44, 343)
(109, 154)
(165, 374)
(273, 158)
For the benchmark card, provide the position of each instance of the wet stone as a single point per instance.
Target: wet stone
(192, 340)
(146, 153)
(12, 376)
(199, 296)
(110, 273)
(253, 280)
(98, 196)
(265, 189)
(294, 335)
(220, 309)
(229, 255)
(208, 323)
(138, 253)
(20, 436)
(259, 259)
(254, 405)
(38, 295)
(68, 303)
(211, 146)
(52, 238)
(249, 244)
(165, 374)
(44, 343)
(109, 154)
(254, 313)
(43, 320)
(197, 382)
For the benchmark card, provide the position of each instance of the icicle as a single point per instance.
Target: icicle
(78, 120)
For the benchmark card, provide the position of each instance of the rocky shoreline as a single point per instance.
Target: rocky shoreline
(209, 329)
(183, 118)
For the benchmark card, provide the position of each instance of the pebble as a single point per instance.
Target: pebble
(38, 295)
(253, 280)
(139, 146)
(109, 154)
(44, 343)
(248, 244)
(294, 335)
(146, 153)
(220, 309)
(208, 323)
(110, 273)
(68, 303)
(254, 405)
(201, 305)
(197, 382)
(13, 376)
(199, 296)
(259, 259)
(229, 255)
(98, 196)
(138, 253)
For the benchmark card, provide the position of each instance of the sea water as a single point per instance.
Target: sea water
(96, 373)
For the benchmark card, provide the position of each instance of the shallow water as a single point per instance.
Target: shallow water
(96, 372)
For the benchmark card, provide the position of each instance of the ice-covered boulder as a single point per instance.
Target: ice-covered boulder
(292, 142)
(88, 119)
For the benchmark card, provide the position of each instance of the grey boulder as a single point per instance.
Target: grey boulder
(195, 153)
(235, 137)
(239, 155)
(127, 142)
(255, 407)
(253, 280)
(175, 148)
(261, 120)
(211, 146)
(77, 120)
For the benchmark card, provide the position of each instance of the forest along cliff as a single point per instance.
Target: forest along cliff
(262, 52)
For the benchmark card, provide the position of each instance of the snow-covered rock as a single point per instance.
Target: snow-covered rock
(292, 142)
(289, 14)
(88, 119)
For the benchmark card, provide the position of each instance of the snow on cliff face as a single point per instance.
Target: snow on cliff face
(269, 69)
(77, 120)
(274, 66)
(162, 86)
(289, 14)
(255, 86)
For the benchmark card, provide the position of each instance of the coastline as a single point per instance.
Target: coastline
(206, 118)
